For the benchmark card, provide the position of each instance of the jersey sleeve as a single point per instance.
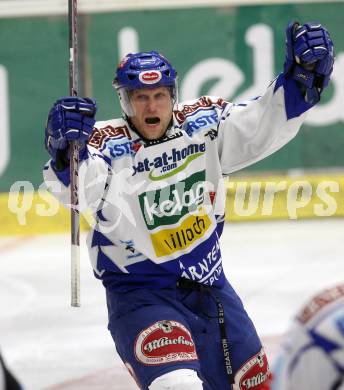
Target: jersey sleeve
(254, 129)
(93, 174)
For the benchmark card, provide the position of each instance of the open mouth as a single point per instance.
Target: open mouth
(152, 120)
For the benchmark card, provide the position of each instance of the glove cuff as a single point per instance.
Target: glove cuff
(303, 76)
(61, 160)
(312, 95)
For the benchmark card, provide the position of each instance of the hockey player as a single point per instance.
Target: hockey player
(154, 182)
(312, 355)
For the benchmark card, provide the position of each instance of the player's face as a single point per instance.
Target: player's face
(153, 111)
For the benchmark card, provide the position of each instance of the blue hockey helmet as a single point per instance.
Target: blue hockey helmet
(143, 70)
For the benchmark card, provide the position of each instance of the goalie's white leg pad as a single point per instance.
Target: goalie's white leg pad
(183, 379)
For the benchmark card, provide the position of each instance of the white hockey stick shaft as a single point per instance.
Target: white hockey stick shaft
(74, 160)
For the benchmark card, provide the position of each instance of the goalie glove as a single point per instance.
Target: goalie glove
(309, 58)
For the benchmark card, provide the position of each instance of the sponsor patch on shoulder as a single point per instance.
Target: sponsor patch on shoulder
(100, 136)
(201, 103)
(164, 342)
(254, 374)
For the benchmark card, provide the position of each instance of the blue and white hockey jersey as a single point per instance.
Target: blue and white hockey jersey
(158, 206)
(312, 353)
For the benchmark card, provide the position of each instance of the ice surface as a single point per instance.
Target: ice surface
(274, 266)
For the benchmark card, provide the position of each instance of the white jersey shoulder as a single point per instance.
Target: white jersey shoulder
(312, 356)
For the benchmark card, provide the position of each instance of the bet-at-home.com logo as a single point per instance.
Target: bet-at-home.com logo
(168, 164)
(166, 206)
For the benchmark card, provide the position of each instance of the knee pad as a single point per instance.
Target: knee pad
(183, 379)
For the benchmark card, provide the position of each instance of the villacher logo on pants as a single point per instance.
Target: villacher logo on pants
(164, 342)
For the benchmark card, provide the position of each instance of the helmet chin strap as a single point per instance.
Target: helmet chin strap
(146, 140)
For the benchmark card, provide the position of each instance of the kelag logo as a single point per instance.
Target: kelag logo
(166, 165)
(167, 205)
(169, 241)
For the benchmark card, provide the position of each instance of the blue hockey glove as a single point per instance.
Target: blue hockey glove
(70, 119)
(309, 58)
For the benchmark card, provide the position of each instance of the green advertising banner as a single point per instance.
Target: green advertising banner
(233, 52)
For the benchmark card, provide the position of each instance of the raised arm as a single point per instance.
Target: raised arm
(73, 118)
(252, 130)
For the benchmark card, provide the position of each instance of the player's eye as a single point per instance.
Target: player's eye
(161, 96)
(141, 98)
